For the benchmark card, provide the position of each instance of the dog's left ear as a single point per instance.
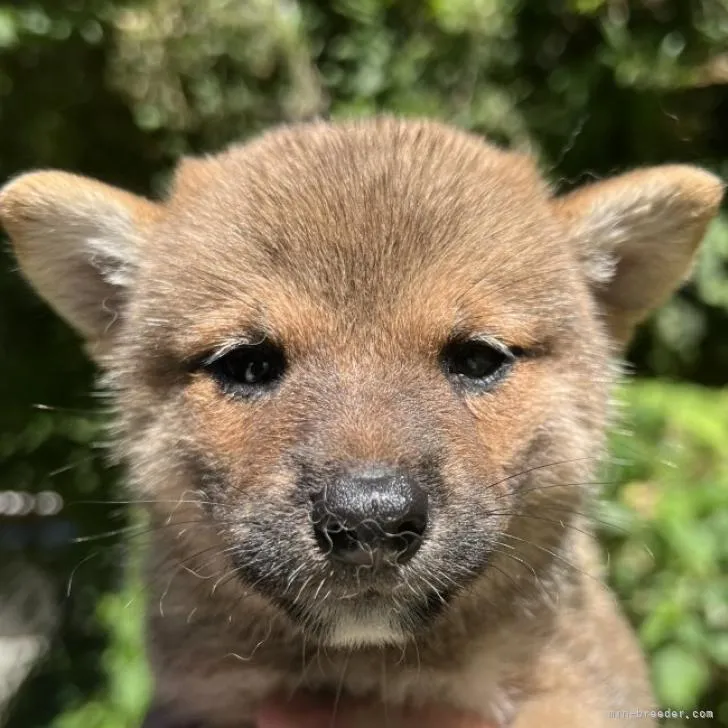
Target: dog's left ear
(637, 235)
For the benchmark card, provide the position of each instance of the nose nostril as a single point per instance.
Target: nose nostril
(332, 537)
(406, 539)
(348, 545)
(365, 544)
(412, 528)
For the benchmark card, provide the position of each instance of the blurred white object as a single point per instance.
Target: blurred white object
(28, 617)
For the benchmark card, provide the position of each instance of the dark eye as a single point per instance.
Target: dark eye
(248, 369)
(476, 363)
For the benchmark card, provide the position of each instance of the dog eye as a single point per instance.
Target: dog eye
(476, 363)
(248, 369)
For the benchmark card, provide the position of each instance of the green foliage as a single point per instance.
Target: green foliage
(682, 338)
(119, 88)
(211, 70)
(123, 701)
(665, 525)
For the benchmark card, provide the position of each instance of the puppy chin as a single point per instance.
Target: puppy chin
(375, 623)
(355, 630)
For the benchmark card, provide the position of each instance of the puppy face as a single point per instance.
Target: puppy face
(371, 359)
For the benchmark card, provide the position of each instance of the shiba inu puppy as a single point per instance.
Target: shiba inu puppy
(362, 377)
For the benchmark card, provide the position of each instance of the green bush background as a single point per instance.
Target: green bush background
(120, 89)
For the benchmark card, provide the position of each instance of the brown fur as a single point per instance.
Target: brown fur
(362, 248)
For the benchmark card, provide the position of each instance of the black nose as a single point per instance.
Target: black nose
(365, 517)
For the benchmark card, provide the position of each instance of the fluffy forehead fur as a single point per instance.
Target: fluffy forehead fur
(292, 233)
(361, 249)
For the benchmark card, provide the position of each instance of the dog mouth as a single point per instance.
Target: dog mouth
(367, 617)
(369, 598)
(377, 598)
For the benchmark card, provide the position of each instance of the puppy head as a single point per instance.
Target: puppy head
(378, 350)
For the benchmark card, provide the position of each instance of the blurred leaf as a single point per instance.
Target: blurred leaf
(679, 675)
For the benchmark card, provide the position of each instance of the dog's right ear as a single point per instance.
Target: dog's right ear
(77, 242)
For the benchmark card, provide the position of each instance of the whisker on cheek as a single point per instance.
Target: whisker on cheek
(518, 585)
(544, 466)
(549, 486)
(136, 531)
(562, 559)
(214, 558)
(69, 583)
(300, 591)
(564, 523)
(249, 657)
